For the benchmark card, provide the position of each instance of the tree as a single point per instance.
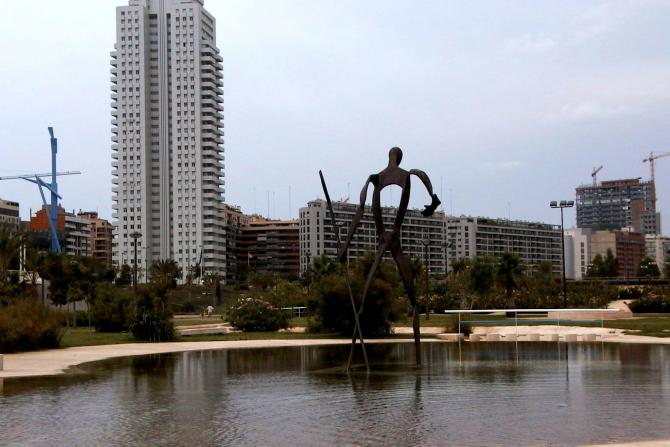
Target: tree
(603, 267)
(164, 276)
(330, 304)
(459, 266)
(86, 274)
(480, 277)
(509, 269)
(10, 245)
(193, 274)
(648, 268)
(125, 277)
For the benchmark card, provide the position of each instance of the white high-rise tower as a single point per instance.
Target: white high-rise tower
(167, 135)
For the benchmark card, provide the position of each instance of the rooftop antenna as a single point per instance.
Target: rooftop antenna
(51, 187)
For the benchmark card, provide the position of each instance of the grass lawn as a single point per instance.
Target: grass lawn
(87, 336)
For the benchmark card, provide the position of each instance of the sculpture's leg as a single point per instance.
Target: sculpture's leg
(359, 311)
(408, 281)
(417, 335)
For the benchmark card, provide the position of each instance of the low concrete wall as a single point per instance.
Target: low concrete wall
(589, 315)
(450, 337)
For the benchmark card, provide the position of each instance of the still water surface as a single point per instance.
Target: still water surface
(479, 394)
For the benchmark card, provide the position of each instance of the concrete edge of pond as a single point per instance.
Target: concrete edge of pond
(57, 361)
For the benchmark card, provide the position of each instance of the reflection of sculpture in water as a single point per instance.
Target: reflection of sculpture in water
(390, 239)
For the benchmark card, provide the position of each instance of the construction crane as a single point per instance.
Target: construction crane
(52, 187)
(594, 173)
(651, 161)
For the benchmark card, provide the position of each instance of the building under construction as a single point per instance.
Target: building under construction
(617, 204)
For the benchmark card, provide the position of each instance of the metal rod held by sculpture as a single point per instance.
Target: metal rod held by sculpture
(357, 329)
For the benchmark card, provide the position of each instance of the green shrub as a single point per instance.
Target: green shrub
(112, 309)
(152, 326)
(28, 325)
(651, 304)
(255, 315)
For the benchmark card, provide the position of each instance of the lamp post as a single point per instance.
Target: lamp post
(135, 235)
(563, 204)
(343, 226)
(426, 243)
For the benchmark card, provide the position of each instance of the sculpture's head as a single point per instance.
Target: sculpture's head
(395, 156)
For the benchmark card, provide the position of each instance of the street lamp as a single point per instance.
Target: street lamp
(563, 204)
(343, 226)
(426, 243)
(135, 235)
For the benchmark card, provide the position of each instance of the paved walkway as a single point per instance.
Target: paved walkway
(660, 443)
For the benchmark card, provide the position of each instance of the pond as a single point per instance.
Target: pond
(474, 394)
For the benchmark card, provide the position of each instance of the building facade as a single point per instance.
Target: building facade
(167, 135)
(100, 236)
(234, 220)
(317, 236)
(657, 248)
(617, 204)
(535, 242)
(628, 247)
(74, 232)
(9, 214)
(269, 246)
(577, 252)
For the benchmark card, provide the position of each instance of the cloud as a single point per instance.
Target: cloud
(592, 110)
(498, 166)
(530, 43)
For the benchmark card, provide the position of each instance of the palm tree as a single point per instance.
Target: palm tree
(508, 272)
(10, 246)
(165, 273)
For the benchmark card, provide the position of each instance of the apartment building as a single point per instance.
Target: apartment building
(74, 232)
(617, 204)
(9, 214)
(234, 220)
(577, 252)
(535, 242)
(100, 236)
(629, 247)
(421, 237)
(657, 248)
(270, 246)
(167, 135)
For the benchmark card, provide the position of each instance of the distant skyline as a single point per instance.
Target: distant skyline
(506, 106)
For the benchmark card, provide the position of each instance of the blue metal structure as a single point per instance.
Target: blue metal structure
(52, 187)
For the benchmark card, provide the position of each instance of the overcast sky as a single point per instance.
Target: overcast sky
(506, 105)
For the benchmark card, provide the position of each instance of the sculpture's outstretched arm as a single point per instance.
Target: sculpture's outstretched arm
(355, 222)
(429, 209)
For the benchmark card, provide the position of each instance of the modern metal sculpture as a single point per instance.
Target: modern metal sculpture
(51, 187)
(387, 239)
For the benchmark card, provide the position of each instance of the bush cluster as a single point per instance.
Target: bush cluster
(28, 325)
(112, 310)
(255, 315)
